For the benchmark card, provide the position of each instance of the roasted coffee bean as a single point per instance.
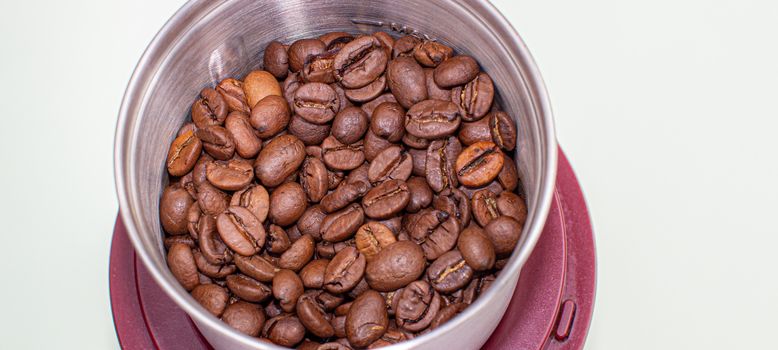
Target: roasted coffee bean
(330, 301)
(368, 107)
(440, 161)
(342, 99)
(187, 182)
(391, 164)
(435, 92)
(279, 159)
(183, 239)
(210, 243)
(345, 194)
(212, 297)
(182, 265)
(211, 200)
(343, 345)
(310, 222)
(386, 199)
(277, 240)
(417, 306)
(436, 231)
(255, 199)
(248, 289)
(301, 50)
(479, 164)
(367, 92)
(210, 109)
(299, 254)
(446, 314)
(339, 156)
(456, 203)
(404, 46)
(290, 86)
(395, 266)
(193, 216)
(431, 54)
(509, 175)
(350, 125)
(335, 40)
(391, 337)
(316, 102)
(458, 70)
(345, 271)
(503, 130)
(415, 142)
(309, 133)
(294, 233)
(314, 179)
(256, 267)
(432, 119)
(419, 158)
(270, 116)
(360, 62)
(259, 84)
(372, 237)
(342, 225)
(312, 274)
(233, 95)
(275, 59)
(245, 317)
(183, 154)
(484, 204)
(477, 287)
(421, 194)
(313, 316)
(387, 41)
(374, 144)
(284, 330)
(287, 288)
(247, 143)
(339, 325)
(241, 230)
(187, 127)
(272, 309)
(367, 319)
(388, 121)
(287, 204)
(198, 172)
(470, 133)
(474, 98)
(406, 80)
(216, 141)
(504, 232)
(512, 205)
(360, 288)
(449, 272)
(318, 69)
(476, 248)
(231, 175)
(174, 209)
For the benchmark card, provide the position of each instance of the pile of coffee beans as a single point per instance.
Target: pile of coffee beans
(357, 192)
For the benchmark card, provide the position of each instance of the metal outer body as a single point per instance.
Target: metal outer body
(206, 41)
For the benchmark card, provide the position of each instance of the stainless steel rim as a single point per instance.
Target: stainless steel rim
(152, 60)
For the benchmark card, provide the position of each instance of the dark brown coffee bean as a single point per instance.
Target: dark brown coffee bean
(279, 159)
(504, 232)
(415, 142)
(316, 102)
(431, 54)
(509, 175)
(216, 141)
(312, 274)
(447, 313)
(435, 92)
(456, 203)
(342, 99)
(290, 86)
(299, 254)
(493, 186)
(270, 116)
(318, 69)
(211, 200)
(374, 144)
(210, 243)
(386, 199)
(212, 297)
(301, 50)
(313, 316)
(388, 121)
(477, 287)
(418, 305)
(474, 98)
(421, 194)
(503, 130)
(255, 199)
(476, 248)
(241, 230)
(458, 70)
(247, 143)
(345, 194)
(277, 240)
(193, 216)
(275, 59)
(233, 95)
(287, 204)
(360, 62)
(339, 326)
(230, 175)
(406, 80)
(372, 237)
(182, 265)
(183, 239)
(367, 319)
(345, 271)
(309, 133)
(432, 119)
(210, 109)
(339, 156)
(449, 272)
(479, 164)
(183, 154)
(387, 41)
(187, 127)
(512, 205)
(391, 164)
(419, 158)
(248, 288)
(470, 133)
(368, 107)
(245, 317)
(404, 46)
(484, 206)
(287, 288)
(391, 337)
(349, 125)
(330, 301)
(310, 222)
(335, 40)
(342, 225)
(187, 182)
(395, 266)
(284, 330)
(256, 267)
(360, 288)
(174, 209)
(314, 179)
(259, 84)
(436, 231)
(440, 161)
(367, 92)
(198, 172)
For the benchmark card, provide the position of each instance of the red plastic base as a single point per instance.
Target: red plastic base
(550, 310)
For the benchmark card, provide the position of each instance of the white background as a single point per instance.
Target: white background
(666, 108)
